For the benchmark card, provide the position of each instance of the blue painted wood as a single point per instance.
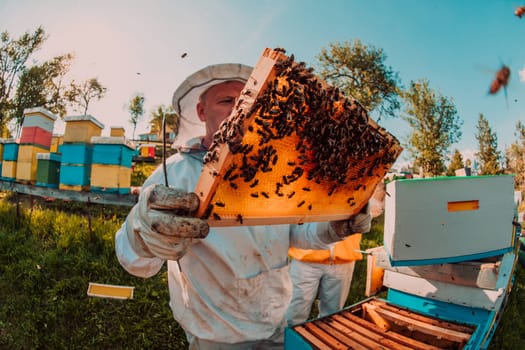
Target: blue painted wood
(97, 189)
(75, 175)
(113, 154)
(10, 151)
(76, 153)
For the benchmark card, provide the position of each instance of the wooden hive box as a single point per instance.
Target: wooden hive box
(10, 150)
(110, 179)
(76, 153)
(81, 128)
(448, 219)
(293, 150)
(36, 135)
(27, 162)
(113, 150)
(56, 141)
(48, 170)
(74, 177)
(117, 131)
(9, 170)
(40, 118)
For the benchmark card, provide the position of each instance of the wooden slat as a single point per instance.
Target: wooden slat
(351, 339)
(370, 329)
(423, 318)
(374, 276)
(424, 327)
(311, 338)
(327, 338)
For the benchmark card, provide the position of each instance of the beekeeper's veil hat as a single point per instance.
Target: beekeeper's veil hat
(186, 97)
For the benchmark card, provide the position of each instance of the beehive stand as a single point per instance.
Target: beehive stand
(293, 150)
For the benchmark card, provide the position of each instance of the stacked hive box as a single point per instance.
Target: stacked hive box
(9, 158)
(1, 153)
(48, 169)
(56, 141)
(117, 131)
(111, 166)
(77, 152)
(37, 131)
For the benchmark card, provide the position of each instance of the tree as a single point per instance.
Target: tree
(14, 54)
(359, 71)
(488, 154)
(136, 110)
(157, 118)
(80, 95)
(41, 86)
(456, 163)
(515, 160)
(435, 126)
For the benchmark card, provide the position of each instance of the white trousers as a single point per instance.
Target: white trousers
(330, 282)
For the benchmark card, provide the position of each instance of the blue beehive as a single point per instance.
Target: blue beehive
(75, 169)
(112, 151)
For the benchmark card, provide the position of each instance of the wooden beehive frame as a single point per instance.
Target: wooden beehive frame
(279, 162)
(376, 324)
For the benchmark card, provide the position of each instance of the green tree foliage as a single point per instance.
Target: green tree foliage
(435, 126)
(514, 155)
(79, 95)
(42, 86)
(136, 110)
(488, 154)
(14, 54)
(456, 163)
(159, 114)
(359, 71)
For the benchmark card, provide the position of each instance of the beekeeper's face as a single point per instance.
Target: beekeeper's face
(216, 103)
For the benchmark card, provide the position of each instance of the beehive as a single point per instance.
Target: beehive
(27, 162)
(48, 170)
(10, 150)
(448, 219)
(36, 135)
(9, 170)
(117, 131)
(40, 118)
(111, 166)
(56, 141)
(293, 150)
(75, 166)
(81, 128)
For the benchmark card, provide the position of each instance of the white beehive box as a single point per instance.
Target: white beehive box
(448, 219)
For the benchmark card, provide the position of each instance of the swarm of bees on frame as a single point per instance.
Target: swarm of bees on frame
(333, 133)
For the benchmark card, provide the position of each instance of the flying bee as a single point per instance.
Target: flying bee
(500, 80)
(520, 11)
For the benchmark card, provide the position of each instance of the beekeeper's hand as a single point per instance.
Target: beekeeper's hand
(160, 224)
(359, 223)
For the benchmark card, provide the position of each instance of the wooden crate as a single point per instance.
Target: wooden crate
(114, 150)
(81, 128)
(117, 131)
(39, 117)
(110, 178)
(448, 219)
(287, 155)
(10, 150)
(28, 152)
(9, 170)
(26, 172)
(377, 324)
(48, 170)
(36, 135)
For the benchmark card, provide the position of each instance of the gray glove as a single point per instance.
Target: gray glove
(160, 225)
(359, 223)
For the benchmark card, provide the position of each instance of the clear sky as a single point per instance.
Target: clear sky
(136, 46)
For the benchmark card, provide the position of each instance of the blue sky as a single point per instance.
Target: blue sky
(457, 45)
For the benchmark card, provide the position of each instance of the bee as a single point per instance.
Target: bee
(186, 54)
(520, 11)
(500, 80)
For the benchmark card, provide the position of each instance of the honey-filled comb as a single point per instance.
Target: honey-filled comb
(293, 150)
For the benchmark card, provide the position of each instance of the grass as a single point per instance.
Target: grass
(49, 253)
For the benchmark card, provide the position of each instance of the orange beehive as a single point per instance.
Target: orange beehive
(293, 150)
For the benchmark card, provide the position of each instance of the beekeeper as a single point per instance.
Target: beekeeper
(326, 274)
(229, 286)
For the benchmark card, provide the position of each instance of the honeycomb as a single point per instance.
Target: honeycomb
(294, 150)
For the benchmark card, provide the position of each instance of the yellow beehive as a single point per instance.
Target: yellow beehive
(26, 171)
(110, 178)
(117, 131)
(27, 153)
(56, 141)
(9, 169)
(81, 128)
